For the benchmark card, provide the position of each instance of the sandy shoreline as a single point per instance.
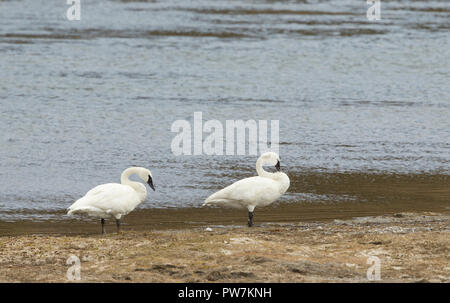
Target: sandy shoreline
(411, 247)
(148, 219)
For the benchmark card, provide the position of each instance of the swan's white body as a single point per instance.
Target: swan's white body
(256, 191)
(113, 199)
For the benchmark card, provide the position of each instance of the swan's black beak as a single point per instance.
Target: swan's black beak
(150, 182)
(277, 166)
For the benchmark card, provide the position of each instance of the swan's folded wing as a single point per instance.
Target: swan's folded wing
(245, 191)
(104, 198)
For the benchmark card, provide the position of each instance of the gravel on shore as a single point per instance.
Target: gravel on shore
(410, 247)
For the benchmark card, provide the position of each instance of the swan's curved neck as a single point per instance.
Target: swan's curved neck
(125, 177)
(125, 180)
(260, 170)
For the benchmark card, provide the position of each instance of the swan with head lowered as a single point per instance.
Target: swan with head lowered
(256, 191)
(114, 199)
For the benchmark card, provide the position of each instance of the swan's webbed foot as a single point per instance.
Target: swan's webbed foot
(118, 225)
(250, 219)
(103, 226)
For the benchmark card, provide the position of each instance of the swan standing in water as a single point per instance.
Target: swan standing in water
(114, 199)
(261, 190)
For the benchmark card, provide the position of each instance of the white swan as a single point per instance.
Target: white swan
(255, 191)
(114, 199)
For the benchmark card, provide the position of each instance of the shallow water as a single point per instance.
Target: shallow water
(80, 101)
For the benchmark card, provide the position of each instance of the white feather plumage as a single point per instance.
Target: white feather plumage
(248, 193)
(107, 200)
(114, 199)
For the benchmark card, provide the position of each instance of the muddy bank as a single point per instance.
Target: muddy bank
(410, 247)
(182, 218)
(312, 196)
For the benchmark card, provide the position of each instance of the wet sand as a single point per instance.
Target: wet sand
(186, 218)
(410, 248)
(333, 196)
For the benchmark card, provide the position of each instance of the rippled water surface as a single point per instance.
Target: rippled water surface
(80, 101)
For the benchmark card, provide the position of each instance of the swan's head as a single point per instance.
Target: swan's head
(271, 158)
(146, 175)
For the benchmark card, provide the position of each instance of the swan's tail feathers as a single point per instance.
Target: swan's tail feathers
(211, 200)
(207, 201)
(214, 199)
(70, 210)
(223, 202)
(84, 210)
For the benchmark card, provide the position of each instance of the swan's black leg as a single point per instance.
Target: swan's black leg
(118, 225)
(250, 219)
(103, 226)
